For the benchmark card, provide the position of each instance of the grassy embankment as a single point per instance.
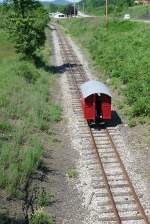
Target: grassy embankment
(98, 11)
(122, 54)
(139, 12)
(27, 114)
(136, 12)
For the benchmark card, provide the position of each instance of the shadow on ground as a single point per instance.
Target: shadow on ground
(51, 68)
(4, 219)
(116, 120)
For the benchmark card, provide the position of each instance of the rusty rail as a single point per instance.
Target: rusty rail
(69, 53)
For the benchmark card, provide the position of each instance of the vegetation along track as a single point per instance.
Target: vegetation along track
(119, 202)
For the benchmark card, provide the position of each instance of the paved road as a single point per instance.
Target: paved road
(140, 20)
(81, 14)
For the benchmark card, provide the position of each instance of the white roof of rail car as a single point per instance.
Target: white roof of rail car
(90, 87)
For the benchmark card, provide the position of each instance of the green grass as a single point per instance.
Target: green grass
(44, 198)
(99, 11)
(27, 113)
(6, 47)
(122, 53)
(72, 173)
(139, 11)
(41, 217)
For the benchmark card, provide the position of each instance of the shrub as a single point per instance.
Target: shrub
(27, 21)
(28, 72)
(72, 173)
(41, 217)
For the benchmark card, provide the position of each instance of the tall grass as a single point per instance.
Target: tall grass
(25, 116)
(122, 53)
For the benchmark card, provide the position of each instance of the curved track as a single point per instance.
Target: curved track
(119, 202)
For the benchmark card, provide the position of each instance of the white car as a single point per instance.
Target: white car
(126, 17)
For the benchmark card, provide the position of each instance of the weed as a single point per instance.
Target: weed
(44, 199)
(72, 173)
(41, 217)
(5, 126)
(132, 123)
(55, 112)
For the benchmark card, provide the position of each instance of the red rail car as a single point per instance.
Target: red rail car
(95, 101)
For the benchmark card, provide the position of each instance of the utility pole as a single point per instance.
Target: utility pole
(78, 8)
(74, 9)
(106, 13)
(83, 6)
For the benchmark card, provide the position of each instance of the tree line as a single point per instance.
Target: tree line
(98, 3)
(68, 10)
(114, 6)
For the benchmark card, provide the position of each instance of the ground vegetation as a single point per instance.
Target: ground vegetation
(98, 7)
(138, 12)
(68, 10)
(26, 21)
(122, 53)
(27, 116)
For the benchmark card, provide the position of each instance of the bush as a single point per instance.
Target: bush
(28, 72)
(27, 22)
(40, 217)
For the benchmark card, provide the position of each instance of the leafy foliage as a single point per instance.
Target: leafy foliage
(41, 217)
(27, 21)
(114, 5)
(68, 10)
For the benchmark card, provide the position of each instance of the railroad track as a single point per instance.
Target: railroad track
(118, 201)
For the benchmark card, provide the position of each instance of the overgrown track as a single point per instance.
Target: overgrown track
(119, 202)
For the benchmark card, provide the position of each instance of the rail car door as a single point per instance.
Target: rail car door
(105, 107)
(90, 108)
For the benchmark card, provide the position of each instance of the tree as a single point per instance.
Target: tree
(52, 7)
(69, 10)
(27, 21)
(119, 4)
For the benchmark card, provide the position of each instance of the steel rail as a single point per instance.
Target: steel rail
(114, 208)
(126, 176)
(124, 172)
(70, 67)
(81, 71)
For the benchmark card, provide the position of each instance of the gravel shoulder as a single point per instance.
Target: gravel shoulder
(68, 208)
